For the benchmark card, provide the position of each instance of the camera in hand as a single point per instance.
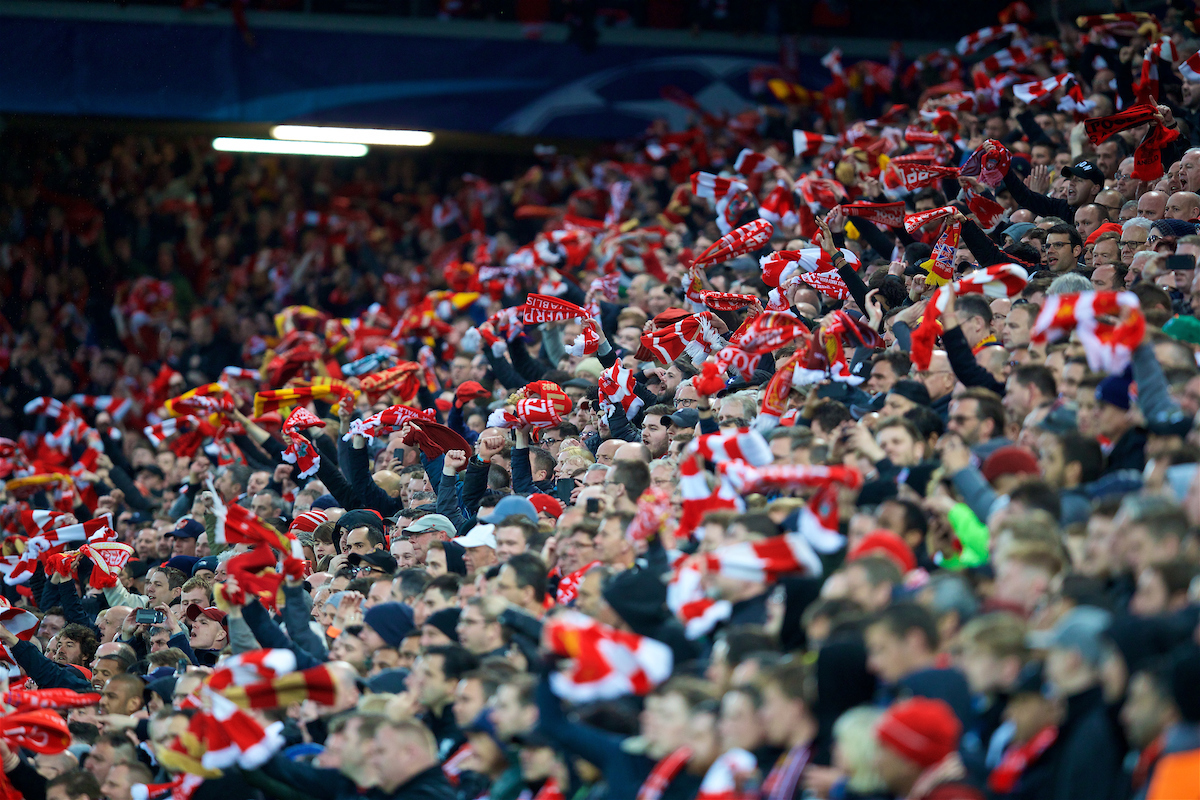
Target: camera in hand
(149, 616)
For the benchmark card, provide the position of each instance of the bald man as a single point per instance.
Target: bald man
(1112, 201)
(1184, 206)
(1152, 205)
(632, 451)
(1088, 218)
(606, 452)
(1189, 171)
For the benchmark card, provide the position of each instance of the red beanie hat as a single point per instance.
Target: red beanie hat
(1010, 460)
(885, 543)
(546, 504)
(920, 730)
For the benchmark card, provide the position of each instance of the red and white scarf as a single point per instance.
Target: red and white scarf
(386, 421)
(605, 663)
(300, 450)
(809, 145)
(116, 407)
(694, 335)
(568, 585)
(973, 42)
(779, 207)
(1003, 778)
(749, 163)
(1108, 346)
(698, 499)
(20, 623)
(540, 308)
(890, 215)
(541, 404)
(731, 777)
(617, 386)
(997, 281)
(752, 236)
(18, 569)
(663, 773)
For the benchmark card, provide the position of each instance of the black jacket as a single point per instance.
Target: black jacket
(428, 785)
(1088, 763)
(1129, 452)
(963, 362)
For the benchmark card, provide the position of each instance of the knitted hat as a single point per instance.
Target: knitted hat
(912, 390)
(920, 730)
(885, 543)
(1010, 460)
(1114, 390)
(1100, 231)
(323, 502)
(307, 522)
(1175, 227)
(392, 621)
(446, 621)
(545, 504)
(1018, 230)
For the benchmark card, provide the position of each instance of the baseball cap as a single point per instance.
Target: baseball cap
(212, 612)
(1082, 629)
(911, 390)
(1060, 420)
(187, 529)
(1085, 170)
(509, 506)
(545, 504)
(432, 522)
(479, 536)
(380, 559)
(685, 418)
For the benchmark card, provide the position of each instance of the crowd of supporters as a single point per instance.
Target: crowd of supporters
(839, 449)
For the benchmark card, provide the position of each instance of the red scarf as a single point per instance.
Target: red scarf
(1005, 776)
(663, 773)
(784, 777)
(1146, 761)
(549, 791)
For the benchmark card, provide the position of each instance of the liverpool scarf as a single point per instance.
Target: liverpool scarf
(605, 663)
(1107, 345)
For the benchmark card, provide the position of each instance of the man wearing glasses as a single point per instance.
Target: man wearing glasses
(1134, 236)
(375, 565)
(1063, 248)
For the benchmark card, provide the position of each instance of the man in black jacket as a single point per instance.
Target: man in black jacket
(1085, 182)
(1113, 421)
(1089, 746)
(404, 757)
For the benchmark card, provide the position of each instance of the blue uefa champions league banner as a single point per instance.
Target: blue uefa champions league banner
(207, 72)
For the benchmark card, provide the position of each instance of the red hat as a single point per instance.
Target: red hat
(468, 391)
(308, 521)
(545, 504)
(885, 543)
(920, 730)
(1103, 229)
(1010, 460)
(212, 612)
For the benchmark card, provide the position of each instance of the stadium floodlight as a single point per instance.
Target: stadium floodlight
(380, 136)
(231, 144)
